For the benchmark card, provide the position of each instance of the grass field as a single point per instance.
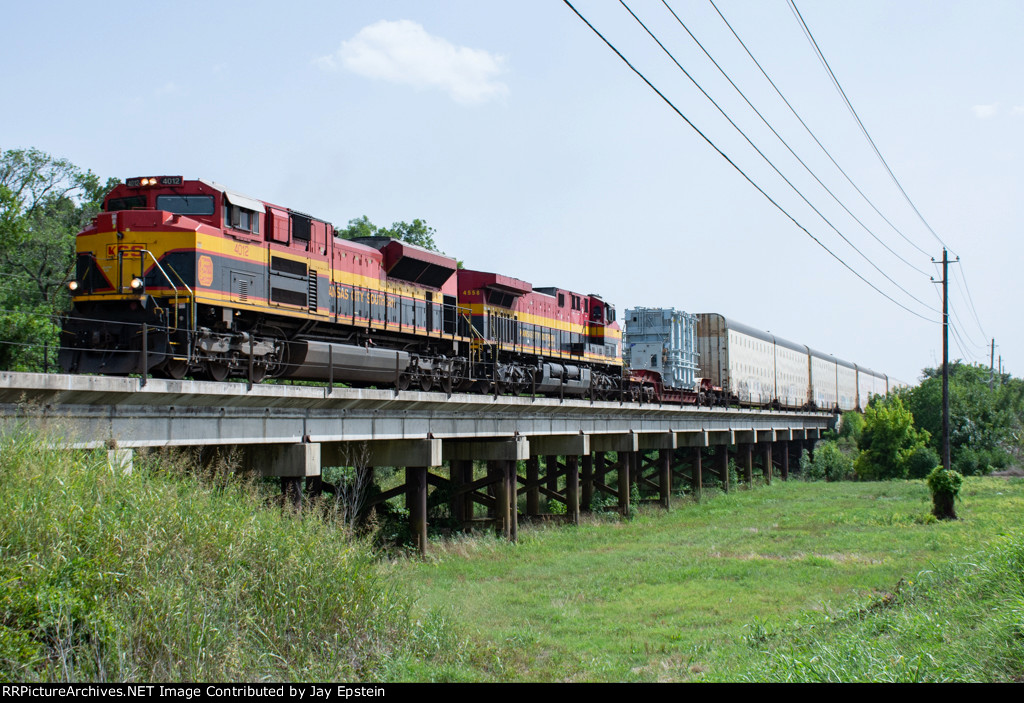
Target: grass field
(765, 584)
(180, 572)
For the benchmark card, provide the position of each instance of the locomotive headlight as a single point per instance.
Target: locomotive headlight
(73, 286)
(136, 283)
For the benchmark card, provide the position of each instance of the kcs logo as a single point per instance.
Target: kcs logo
(205, 271)
(127, 250)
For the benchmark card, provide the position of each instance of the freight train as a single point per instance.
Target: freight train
(181, 277)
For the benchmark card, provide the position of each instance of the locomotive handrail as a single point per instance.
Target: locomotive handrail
(191, 294)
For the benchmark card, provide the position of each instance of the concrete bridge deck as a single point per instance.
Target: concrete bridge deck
(291, 431)
(97, 411)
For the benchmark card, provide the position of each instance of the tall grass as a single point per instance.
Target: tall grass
(163, 575)
(963, 621)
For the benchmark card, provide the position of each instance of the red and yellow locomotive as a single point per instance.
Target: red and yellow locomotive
(180, 277)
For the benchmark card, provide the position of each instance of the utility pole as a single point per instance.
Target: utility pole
(945, 361)
(946, 464)
(991, 364)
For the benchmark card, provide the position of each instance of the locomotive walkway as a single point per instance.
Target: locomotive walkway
(291, 431)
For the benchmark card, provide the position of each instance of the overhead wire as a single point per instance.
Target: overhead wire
(863, 129)
(813, 135)
(763, 156)
(734, 165)
(971, 301)
(835, 81)
(786, 144)
(974, 342)
(953, 330)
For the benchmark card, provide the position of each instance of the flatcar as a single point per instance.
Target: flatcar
(181, 277)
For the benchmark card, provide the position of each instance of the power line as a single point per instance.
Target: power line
(849, 105)
(769, 162)
(733, 164)
(957, 338)
(813, 136)
(786, 144)
(971, 301)
(835, 81)
(963, 328)
(964, 297)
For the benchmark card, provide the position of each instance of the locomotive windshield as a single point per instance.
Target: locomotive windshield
(185, 204)
(134, 202)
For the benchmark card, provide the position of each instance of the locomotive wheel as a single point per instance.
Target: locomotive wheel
(446, 381)
(176, 369)
(172, 368)
(426, 381)
(259, 372)
(216, 371)
(404, 381)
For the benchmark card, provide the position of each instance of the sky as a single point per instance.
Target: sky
(535, 152)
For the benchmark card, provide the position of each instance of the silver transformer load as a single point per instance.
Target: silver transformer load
(662, 340)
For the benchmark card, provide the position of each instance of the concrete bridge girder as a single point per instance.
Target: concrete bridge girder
(405, 452)
(513, 449)
(94, 411)
(694, 438)
(560, 445)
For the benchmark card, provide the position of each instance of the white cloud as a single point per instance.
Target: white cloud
(170, 88)
(403, 52)
(985, 111)
(1018, 109)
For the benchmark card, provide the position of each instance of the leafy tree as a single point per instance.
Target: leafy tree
(985, 419)
(417, 232)
(44, 203)
(888, 440)
(852, 426)
(921, 462)
(358, 227)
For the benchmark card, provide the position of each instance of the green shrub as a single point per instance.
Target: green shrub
(851, 426)
(973, 461)
(830, 463)
(945, 487)
(887, 441)
(921, 462)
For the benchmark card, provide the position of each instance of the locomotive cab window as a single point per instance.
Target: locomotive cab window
(185, 204)
(133, 202)
(241, 218)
